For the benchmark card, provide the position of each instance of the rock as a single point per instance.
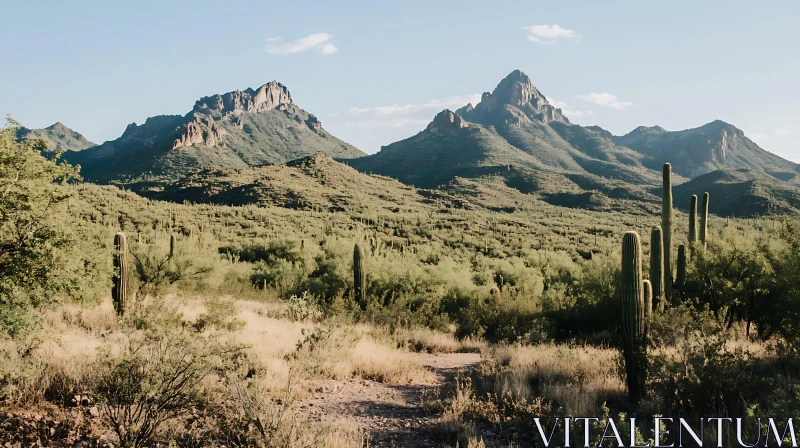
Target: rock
(446, 122)
(202, 132)
(466, 109)
(82, 400)
(269, 96)
(515, 100)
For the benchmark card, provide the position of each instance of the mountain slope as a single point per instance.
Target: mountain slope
(309, 183)
(514, 125)
(693, 152)
(236, 129)
(741, 193)
(58, 137)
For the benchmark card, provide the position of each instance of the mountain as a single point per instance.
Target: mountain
(58, 137)
(693, 152)
(513, 128)
(741, 193)
(236, 129)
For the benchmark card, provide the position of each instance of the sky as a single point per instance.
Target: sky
(375, 72)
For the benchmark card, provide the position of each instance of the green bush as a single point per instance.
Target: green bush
(44, 253)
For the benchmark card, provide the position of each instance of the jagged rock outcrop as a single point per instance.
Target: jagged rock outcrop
(314, 124)
(465, 110)
(515, 101)
(446, 122)
(200, 132)
(202, 129)
(272, 95)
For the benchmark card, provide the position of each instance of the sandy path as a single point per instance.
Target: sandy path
(390, 413)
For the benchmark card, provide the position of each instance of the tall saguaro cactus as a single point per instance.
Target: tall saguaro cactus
(633, 315)
(119, 292)
(172, 246)
(692, 224)
(666, 228)
(648, 299)
(704, 221)
(359, 276)
(657, 267)
(680, 280)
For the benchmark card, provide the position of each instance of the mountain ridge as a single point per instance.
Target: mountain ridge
(697, 151)
(58, 136)
(234, 129)
(512, 126)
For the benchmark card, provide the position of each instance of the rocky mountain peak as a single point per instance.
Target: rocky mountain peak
(59, 137)
(516, 100)
(517, 90)
(203, 128)
(465, 109)
(446, 122)
(59, 127)
(272, 95)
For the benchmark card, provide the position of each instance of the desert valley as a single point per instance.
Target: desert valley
(238, 276)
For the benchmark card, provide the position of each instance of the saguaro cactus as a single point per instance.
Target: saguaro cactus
(692, 224)
(704, 221)
(680, 280)
(359, 276)
(172, 246)
(666, 228)
(119, 292)
(657, 267)
(633, 315)
(648, 299)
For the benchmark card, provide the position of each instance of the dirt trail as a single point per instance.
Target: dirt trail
(389, 413)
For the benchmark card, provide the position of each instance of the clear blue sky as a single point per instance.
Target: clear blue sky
(377, 71)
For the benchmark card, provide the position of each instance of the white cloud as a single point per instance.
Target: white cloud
(605, 99)
(566, 111)
(399, 115)
(408, 109)
(329, 49)
(784, 131)
(359, 110)
(333, 114)
(549, 34)
(273, 39)
(318, 41)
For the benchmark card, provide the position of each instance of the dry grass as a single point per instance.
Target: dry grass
(426, 340)
(576, 379)
(66, 350)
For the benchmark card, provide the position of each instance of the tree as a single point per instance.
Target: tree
(35, 242)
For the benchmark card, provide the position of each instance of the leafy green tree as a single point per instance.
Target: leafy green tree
(35, 239)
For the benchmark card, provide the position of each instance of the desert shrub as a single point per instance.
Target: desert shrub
(156, 270)
(301, 309)
(479, 316)
(589, 308)
(155, 377)
(327, 280)
(696, 369)
(220, 315)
